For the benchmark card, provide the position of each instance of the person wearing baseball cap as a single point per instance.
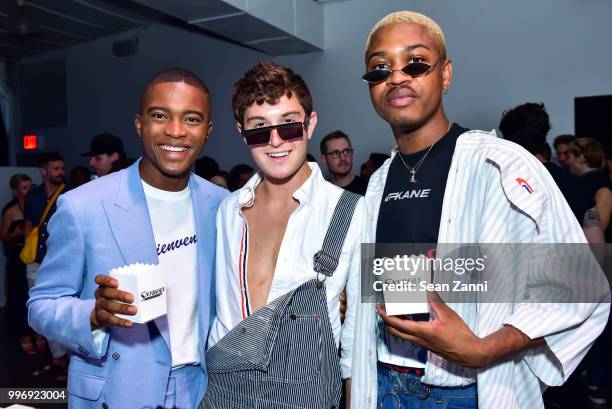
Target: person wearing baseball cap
(105, 149)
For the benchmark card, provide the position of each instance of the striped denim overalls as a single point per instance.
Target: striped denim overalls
(284, 355)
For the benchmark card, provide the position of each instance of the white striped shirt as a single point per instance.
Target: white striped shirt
(483, 203)
(294, 264)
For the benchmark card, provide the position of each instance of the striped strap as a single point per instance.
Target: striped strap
(326, 260)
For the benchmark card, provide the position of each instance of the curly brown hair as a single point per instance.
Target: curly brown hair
(268, 82)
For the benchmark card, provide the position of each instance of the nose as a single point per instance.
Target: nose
(398, 76)
(175, 128)
(275, 139)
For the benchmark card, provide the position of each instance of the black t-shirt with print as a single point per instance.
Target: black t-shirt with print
(410, 212)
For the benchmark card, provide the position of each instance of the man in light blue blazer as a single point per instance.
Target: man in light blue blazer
(154, 212)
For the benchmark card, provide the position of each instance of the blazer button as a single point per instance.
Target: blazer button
(104, 405)
(293, 317)
(116, 355)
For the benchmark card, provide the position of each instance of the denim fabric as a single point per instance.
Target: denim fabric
(282, 356)
(397, 390)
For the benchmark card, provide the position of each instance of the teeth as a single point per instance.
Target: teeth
(173, 148)
(279, 154)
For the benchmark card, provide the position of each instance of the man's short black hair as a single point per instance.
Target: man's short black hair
(175, 75)
(45, 158)
(526, 125)
(377, 159)
(240, 169)
(333, 135)
(564, 139)
(206, 167)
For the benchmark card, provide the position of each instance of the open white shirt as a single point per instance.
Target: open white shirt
(303, 237)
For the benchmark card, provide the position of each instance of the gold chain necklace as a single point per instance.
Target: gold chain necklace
(413, 170)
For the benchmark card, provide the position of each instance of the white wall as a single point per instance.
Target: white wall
(103, 90)
(504, 53)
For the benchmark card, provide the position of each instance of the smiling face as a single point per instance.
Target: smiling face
(174, 126)
(280, 160)
(401, 100)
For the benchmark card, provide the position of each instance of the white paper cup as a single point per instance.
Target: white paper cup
(147, 283)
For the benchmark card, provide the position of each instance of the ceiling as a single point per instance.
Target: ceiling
(38, 26)
(30, 27)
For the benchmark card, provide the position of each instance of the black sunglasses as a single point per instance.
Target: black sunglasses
(261, 136)
(414, 69)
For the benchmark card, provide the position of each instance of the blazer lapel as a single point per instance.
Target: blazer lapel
(128, 216)
(204, 210)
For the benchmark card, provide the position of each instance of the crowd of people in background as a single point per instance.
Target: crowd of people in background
(107, 155)
(264, 299)
(583, 173)
(336, 154)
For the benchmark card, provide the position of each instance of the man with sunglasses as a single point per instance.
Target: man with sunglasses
(270, 346)
(337, 154)
(444, 184)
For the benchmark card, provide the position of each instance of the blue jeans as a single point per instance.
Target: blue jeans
(401, 390)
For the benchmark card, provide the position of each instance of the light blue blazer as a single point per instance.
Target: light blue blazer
(99, 226)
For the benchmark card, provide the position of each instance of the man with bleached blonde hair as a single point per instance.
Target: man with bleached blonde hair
(446, 184)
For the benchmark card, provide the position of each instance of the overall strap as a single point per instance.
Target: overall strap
(326, 260)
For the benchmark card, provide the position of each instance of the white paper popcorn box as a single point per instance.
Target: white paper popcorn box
(403, 285)
(147, 283)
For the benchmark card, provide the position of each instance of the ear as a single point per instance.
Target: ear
(312, 123)
(114, 156)
(209, 129)
(324, 159)
(447, 75)
(138, 125)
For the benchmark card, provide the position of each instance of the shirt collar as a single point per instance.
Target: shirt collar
(246, 195)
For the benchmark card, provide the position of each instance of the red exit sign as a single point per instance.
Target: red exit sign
(29, 142)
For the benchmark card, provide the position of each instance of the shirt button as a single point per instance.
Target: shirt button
(116, 355)
(370, 352)
(369, 400)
